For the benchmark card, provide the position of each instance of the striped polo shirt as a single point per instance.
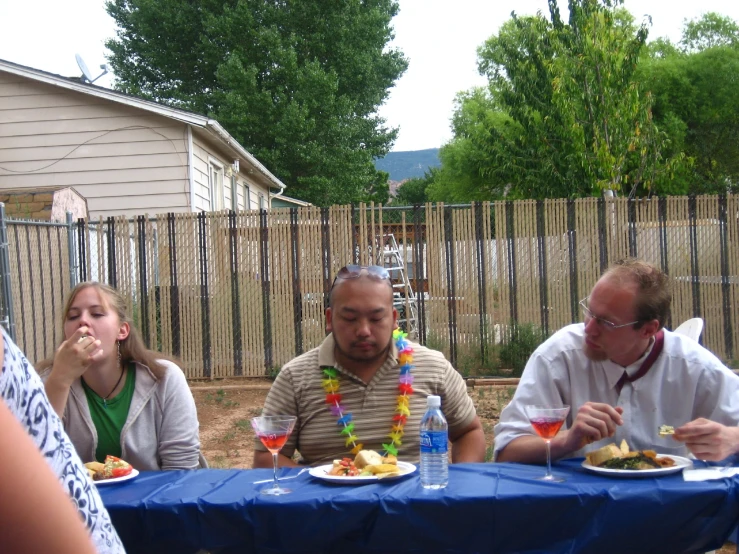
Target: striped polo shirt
(298, 391)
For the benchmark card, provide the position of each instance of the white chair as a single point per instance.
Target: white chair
(691, 328)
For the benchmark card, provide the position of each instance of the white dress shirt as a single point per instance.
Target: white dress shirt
(685, 382)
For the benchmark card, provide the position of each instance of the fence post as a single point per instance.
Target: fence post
(8, 319)
(71, 251)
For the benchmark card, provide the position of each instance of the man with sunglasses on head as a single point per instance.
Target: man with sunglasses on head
(623, 377)
(359, 361)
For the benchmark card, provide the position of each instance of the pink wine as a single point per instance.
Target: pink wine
(546, 427)
(275, 442)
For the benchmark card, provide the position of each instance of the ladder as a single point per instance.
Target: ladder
(404, 301)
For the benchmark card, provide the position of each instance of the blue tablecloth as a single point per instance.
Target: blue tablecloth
(485, 508)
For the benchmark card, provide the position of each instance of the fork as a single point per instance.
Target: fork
(282, 478)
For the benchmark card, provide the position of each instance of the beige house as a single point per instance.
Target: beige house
(124, 155)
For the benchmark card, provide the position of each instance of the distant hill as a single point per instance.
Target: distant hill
(406, 165)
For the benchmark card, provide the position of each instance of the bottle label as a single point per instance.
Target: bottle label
(434, 442)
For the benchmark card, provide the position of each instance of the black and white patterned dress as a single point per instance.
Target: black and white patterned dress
(23, 392)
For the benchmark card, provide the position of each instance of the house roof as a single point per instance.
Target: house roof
(196, 120)
(282, 199)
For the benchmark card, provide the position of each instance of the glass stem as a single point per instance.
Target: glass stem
(274, 469)
(549, 460)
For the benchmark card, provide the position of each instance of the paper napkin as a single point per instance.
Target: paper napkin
(706, 474)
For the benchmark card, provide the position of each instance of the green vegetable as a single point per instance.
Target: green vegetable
(630, 463)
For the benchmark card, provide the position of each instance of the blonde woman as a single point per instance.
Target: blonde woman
(115, 396)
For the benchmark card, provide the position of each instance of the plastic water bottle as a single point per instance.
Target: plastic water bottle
(434, 446)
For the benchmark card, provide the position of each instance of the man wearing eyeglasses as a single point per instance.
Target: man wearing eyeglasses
(623, 377)
(362, 364)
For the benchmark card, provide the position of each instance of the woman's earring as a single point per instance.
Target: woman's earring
(118, 343)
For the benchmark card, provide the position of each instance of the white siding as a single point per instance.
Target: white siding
(239, 194)
(206, 156)
(123, 160)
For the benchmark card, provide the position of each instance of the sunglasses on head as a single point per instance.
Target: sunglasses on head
(374, 272)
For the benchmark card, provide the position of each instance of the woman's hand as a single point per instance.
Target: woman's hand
(74, 356)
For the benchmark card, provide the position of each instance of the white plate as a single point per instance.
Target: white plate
(680, 464)
(321, 472)
(134, 473)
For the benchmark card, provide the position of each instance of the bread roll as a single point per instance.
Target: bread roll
(367, 458)
(604, 454)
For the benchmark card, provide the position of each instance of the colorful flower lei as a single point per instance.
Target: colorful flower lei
(402, 411)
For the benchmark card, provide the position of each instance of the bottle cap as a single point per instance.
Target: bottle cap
(433, 401)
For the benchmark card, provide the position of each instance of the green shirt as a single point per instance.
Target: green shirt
(109, 416)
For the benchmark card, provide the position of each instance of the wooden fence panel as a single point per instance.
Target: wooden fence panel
(239, 294)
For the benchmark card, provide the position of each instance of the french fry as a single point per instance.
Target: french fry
(383, 468)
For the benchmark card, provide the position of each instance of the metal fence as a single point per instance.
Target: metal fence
(239, 294)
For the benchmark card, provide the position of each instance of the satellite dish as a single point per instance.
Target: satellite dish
(86, 75)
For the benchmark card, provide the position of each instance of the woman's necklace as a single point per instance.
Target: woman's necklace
(105, 398)
(402, 411)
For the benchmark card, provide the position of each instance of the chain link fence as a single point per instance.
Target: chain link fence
(238, 294)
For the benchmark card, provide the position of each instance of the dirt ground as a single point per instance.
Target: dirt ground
(226, 406)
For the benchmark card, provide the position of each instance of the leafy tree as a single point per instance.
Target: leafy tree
(413, 191)
(297, 83)
(697, 104)
(712, 29)
(565, 114)
(466, 173)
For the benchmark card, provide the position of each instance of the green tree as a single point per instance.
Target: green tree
(413, 191)
(565, 114)
(712, 29)
(297, 83)
(696, 102)
(466, 173)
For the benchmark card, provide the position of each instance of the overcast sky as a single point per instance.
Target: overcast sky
(439, 37)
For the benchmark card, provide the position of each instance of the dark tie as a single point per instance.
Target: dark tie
(659, 340)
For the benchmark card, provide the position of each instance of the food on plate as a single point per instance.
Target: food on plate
(94, 468)
(597, 457)
(112, 468)
(344, 467)
(366, 463)
(666, 430)
(367, 458)
(614, 457)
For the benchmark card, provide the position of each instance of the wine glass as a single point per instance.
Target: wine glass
(273, 431)
(547, 422)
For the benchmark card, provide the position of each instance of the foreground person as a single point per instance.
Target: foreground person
(359, 361)
(115, 396)
(35, 513)
(624, 376)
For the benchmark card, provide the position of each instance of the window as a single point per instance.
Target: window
(247, 197)
(216, 187)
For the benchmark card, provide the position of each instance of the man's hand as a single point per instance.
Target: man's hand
(708, 440)
(74, 356)
(594, 421)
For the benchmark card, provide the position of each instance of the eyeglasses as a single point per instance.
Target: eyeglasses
(602, 323)
(374, 272)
